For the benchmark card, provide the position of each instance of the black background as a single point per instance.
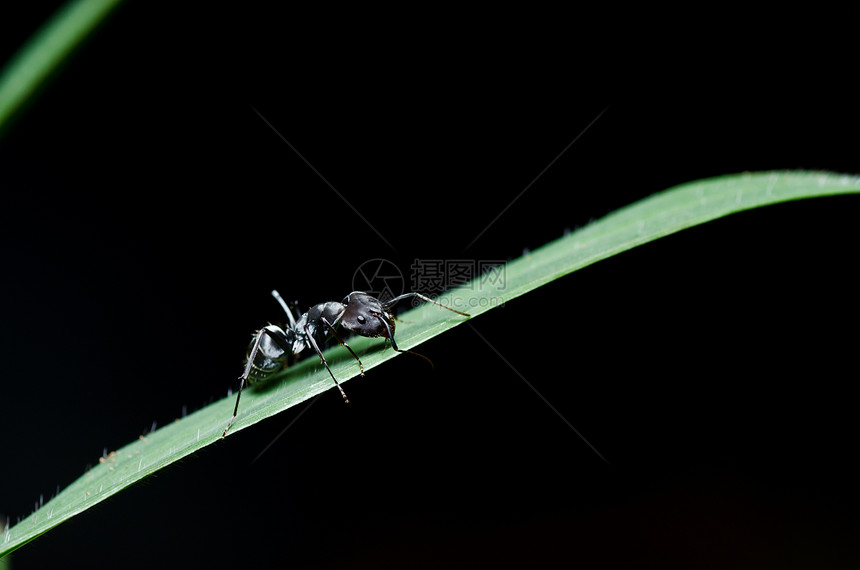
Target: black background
(148, 211)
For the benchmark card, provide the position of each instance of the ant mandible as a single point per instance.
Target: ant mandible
(359, 313)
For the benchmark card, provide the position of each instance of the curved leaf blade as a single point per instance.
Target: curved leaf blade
(46, 50)
(649, 219)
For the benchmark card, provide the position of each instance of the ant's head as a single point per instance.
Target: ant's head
(365, 316)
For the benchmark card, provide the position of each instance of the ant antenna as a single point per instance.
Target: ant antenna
(388, 304)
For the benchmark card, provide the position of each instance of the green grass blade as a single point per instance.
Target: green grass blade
(647, 220)
(46, 49)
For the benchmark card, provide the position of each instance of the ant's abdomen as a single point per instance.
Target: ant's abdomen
(269, 359)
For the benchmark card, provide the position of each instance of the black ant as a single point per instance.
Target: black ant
(359, 313)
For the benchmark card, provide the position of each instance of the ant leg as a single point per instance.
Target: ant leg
(313, 343)
(394, 347)
(280, 300)
(388, 304)
(343, 344)
(272, 332)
